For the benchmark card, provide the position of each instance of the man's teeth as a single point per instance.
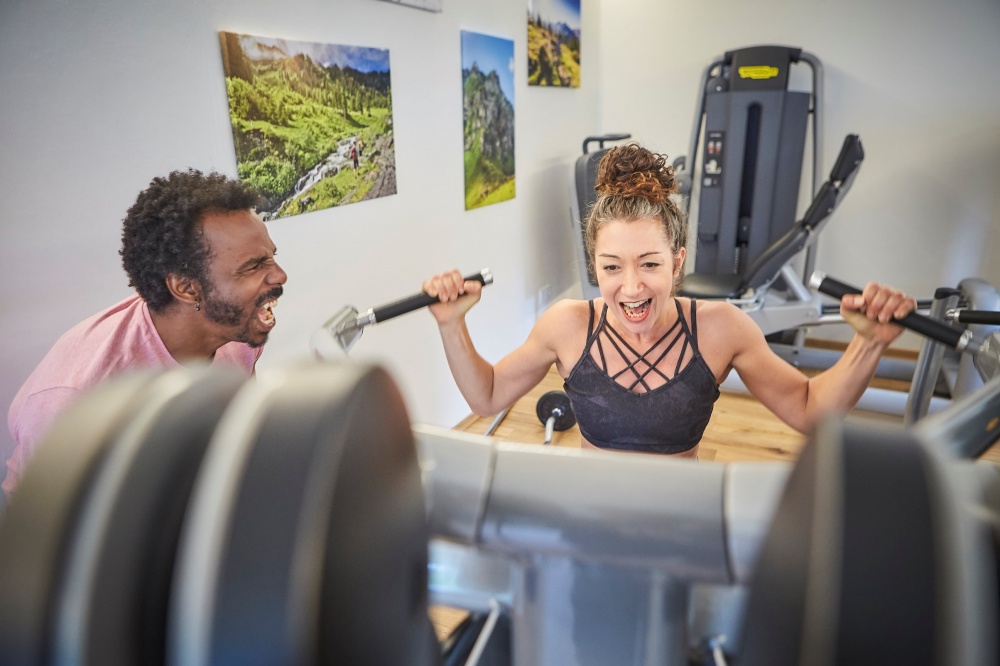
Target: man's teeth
(266, 311)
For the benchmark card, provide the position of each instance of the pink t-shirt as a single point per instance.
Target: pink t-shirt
(114, 341)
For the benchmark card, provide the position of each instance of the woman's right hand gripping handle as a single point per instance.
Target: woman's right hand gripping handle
(457, 296)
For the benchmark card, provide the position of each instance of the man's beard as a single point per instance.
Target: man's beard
(229, 313)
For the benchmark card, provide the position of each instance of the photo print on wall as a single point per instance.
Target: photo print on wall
(312, 123)
(429, 5)
(554, 43)
(488, 118)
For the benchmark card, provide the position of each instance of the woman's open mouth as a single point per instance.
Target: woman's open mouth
(636, 310)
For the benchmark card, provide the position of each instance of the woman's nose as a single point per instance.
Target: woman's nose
(632, 283)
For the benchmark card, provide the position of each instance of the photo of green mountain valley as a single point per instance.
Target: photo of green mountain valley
(312, 123)
(488, 118)
(554, 43)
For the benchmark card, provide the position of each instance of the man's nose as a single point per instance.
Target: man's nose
(278, 275)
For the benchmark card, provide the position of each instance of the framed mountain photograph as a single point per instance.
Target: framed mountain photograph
(488, 118)
(554, 43)
(312, 123)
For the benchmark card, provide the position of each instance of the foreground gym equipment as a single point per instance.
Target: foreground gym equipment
(984, 352)
(953, 362)
(285, 524)
(89, 539)
(194, 517)
(347, 324)
(612, 558)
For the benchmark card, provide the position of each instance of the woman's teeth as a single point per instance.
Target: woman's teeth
(636, 309)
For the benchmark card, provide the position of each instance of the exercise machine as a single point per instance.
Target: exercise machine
(592, 573)
(956, 359)
(347, 324)
(192, 517)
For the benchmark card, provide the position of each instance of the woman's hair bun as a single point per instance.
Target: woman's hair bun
(633, 171)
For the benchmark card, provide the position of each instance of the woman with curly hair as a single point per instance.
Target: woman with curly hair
(202, 264)
(642, 366)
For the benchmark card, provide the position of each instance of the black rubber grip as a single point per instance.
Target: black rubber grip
(987, 317)
(931, 328)
(417, 301)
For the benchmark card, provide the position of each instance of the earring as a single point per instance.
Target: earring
(197, 306)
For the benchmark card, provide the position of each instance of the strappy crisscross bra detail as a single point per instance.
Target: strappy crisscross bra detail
(634, 415)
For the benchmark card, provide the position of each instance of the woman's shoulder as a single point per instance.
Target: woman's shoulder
(566, 318)
(571, 311)
(564, 329)
(720, 323)
(711, 310)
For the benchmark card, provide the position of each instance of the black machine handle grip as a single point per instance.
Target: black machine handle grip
(931, 328)
(422, 300)
(986, 317)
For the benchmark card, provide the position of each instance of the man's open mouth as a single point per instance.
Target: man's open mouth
(265, 313)
(266, 305)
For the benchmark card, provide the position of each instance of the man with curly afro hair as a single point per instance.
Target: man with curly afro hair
(203, 266)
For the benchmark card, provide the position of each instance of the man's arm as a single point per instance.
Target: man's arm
(29, 426)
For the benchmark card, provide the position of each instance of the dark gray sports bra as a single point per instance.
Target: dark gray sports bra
(667, 419)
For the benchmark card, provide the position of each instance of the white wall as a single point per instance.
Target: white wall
(916, 79)
(100, 96)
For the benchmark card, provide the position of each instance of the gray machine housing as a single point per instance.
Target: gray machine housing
(751, 160)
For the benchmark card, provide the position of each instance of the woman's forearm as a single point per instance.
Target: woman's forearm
(839, 388)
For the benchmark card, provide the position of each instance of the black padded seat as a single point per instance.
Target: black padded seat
(307, 538)
(87, 543)
(713, 286)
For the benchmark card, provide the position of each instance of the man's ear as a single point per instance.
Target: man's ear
(184, 289)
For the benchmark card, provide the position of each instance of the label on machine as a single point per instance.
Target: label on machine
(713, 159)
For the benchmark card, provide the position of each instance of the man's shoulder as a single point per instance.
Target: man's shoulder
(101, 345)
(131, 308)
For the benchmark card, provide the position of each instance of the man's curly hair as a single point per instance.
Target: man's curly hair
(162, 232)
